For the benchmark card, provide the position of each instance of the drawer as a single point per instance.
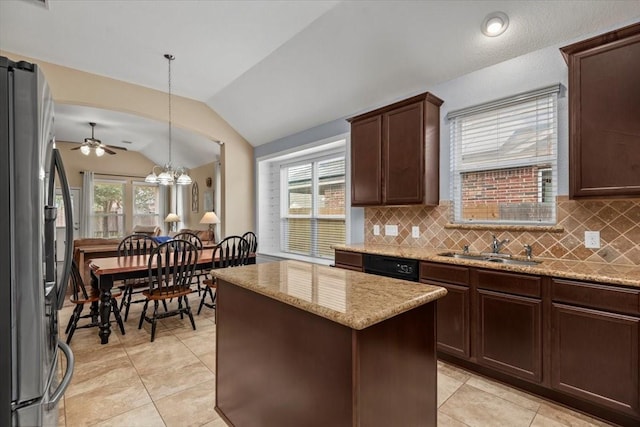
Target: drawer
(353, 259)
(444, 273)
(605, 297)
(348, 267)
(512, 283)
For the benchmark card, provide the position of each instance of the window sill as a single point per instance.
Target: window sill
(504, 227)
(285, 255)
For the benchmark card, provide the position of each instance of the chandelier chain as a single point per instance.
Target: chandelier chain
(169, 58)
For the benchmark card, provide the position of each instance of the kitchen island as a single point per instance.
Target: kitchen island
(301, 344)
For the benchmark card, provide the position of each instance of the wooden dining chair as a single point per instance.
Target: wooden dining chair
(171, 268)
(230, 252)
(251, 238)
(193, 238)
(134, 245)
(81, 296)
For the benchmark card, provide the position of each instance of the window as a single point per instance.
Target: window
(313, 215)
(146, 204)
(504, 160)
(107, 218)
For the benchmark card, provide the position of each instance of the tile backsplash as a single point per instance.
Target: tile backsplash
(618, 222)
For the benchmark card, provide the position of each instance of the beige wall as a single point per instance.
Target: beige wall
(72, 86)
(200, 175)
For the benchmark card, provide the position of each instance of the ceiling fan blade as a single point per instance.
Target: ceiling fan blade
(106, 150)
(77, 148)
(115, 147)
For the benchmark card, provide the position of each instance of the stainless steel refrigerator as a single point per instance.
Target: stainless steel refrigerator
(32, 287)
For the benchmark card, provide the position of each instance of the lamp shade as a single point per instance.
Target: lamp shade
(172, 218)
(209, 218)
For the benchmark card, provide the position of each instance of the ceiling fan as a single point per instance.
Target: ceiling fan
(96, 145)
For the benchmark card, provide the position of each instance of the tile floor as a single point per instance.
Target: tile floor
(171, 382)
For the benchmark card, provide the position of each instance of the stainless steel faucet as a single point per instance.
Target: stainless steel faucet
(497, 244)
(528, 251)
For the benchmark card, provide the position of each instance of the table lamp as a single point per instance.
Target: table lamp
(210, 218)
(172, 219)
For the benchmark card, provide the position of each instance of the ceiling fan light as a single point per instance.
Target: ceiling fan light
(84, 149)
(99, 151)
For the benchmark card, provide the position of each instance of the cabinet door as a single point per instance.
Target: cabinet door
(366, 162)
(595, 356)
(604, 106)
(509, 334)
(453, 320)
(403, 148)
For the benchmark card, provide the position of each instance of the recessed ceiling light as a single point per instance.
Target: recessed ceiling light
(495, 24)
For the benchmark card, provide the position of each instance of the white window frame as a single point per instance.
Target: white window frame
(314, 216)
(457, 169)
(268, 190)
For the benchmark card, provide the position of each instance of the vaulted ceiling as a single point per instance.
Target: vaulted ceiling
(274, 68)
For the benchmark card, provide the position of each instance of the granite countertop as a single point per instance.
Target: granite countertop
(628, 275)
(353, 299)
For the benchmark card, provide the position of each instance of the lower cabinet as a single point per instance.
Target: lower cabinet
(348, 260)
(571, 341)
(509, 334)
(453, 334)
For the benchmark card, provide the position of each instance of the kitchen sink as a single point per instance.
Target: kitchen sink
(496, 259)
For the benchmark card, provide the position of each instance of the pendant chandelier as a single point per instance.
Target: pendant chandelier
(168, 175)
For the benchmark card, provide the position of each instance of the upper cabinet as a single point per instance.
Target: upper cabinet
(395, 153)
(604, 114)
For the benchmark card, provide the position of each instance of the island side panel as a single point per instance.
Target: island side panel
(396, 370)
(280, 366)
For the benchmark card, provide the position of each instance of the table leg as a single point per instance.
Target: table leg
(106, 283)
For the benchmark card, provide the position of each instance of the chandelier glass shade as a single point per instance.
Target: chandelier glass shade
(168, 175)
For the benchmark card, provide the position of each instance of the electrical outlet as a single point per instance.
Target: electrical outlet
(376, 230)
(415, 231)
(592, 239)
(390, 230)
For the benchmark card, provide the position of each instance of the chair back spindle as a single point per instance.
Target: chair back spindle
(231, 252)
(171, 267)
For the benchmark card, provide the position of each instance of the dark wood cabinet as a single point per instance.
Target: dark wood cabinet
(453, 335)
(509, 323)
(604, 106)
(571, 341)
(595, 343)
(366, 161)
(348, 260)
(395, 153)
(509, 334)
(595, 356)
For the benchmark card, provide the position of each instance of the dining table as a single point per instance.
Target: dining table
(111, 269)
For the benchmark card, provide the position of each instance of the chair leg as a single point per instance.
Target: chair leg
(127, 293)
(143, 314)
(66, 331)
(204, 295)
(154, 320)
(180, 308)
(74, 317)
(164, 304)
(188, 310)
(116, 313)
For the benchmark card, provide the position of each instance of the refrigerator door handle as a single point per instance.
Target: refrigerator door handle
(66, 380)
(68, 217)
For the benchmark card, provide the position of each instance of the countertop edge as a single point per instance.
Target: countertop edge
(549, 267)
(358, 324)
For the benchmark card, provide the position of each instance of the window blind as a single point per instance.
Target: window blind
(504, 160)
(313, 218)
